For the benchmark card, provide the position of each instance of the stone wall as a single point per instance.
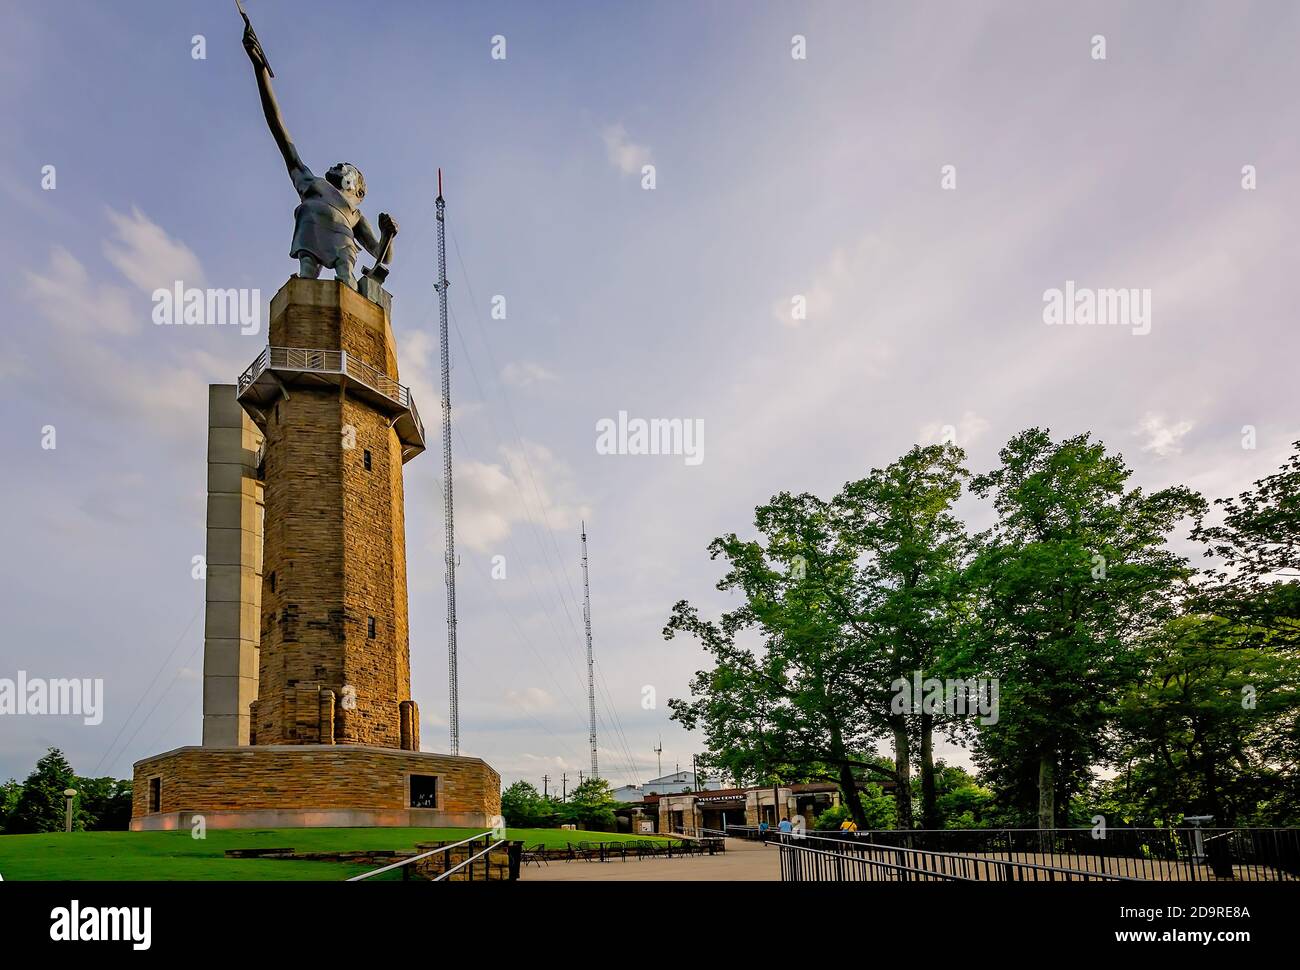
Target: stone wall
(310, 785)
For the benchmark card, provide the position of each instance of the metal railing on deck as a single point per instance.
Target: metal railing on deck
(327, 362)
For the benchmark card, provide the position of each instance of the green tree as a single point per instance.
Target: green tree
(9, 792)
(962, 802)
(40, 805)
(591, 805)
(846, 597)
(785, 700)
(1258, 546)
(523, 806)
(1210, 727)
(1074, 573)
(911, 549)
(105, 803)
(879, 811)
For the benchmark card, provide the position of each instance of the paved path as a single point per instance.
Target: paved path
(742, 862)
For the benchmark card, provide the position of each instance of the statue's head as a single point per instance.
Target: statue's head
(347, 178)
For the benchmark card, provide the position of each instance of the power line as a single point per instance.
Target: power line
(179, 640)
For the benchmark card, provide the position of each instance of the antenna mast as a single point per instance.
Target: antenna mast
(453, 707)
(591, 677)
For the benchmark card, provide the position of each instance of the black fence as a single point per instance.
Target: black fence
(1158, 854)
(807, 858)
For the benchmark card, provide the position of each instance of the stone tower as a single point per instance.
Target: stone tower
(334, 657)
(308, 719)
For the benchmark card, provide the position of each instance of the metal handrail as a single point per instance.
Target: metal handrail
(491, 848)
(254, 370)
(897, 867)
(423, 855)
(415, 415)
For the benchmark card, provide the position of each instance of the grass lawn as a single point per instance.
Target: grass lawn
(176, 856)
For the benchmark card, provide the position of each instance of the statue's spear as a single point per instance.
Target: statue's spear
(248, 24)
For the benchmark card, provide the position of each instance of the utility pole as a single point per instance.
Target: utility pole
(564, 789)
(545, 781)
(659, 754)
(453, 706)
(591, 677)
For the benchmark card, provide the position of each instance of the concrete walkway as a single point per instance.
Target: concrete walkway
(742, 862)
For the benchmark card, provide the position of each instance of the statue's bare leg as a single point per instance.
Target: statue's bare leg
(308, 267)
(343, 271)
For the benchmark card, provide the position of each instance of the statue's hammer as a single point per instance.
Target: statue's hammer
(379, 272)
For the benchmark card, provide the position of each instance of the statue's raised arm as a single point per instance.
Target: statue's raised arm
(270, 107)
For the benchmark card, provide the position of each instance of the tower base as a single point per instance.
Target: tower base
(310, 786)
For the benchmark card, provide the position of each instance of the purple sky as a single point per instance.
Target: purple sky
(775, 178)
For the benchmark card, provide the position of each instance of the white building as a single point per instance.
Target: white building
(673, 784)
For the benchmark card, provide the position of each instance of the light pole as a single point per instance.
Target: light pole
(68, 795)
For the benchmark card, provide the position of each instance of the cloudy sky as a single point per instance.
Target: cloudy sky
(778, 181)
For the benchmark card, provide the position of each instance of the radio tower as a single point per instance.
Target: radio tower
(591, 677)
(453, 707)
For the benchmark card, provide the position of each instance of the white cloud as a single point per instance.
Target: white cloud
(122, 362)
(841, 271)
(420, 370)
(1161, 437)
(523, 373)
(493, 497)
(66, 296)
(624, 154)
(530, 699)
(148, 257)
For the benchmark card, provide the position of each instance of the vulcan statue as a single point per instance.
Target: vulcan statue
(328, 226)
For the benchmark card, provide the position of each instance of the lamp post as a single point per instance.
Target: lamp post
(1196, 821)
(68, 795)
